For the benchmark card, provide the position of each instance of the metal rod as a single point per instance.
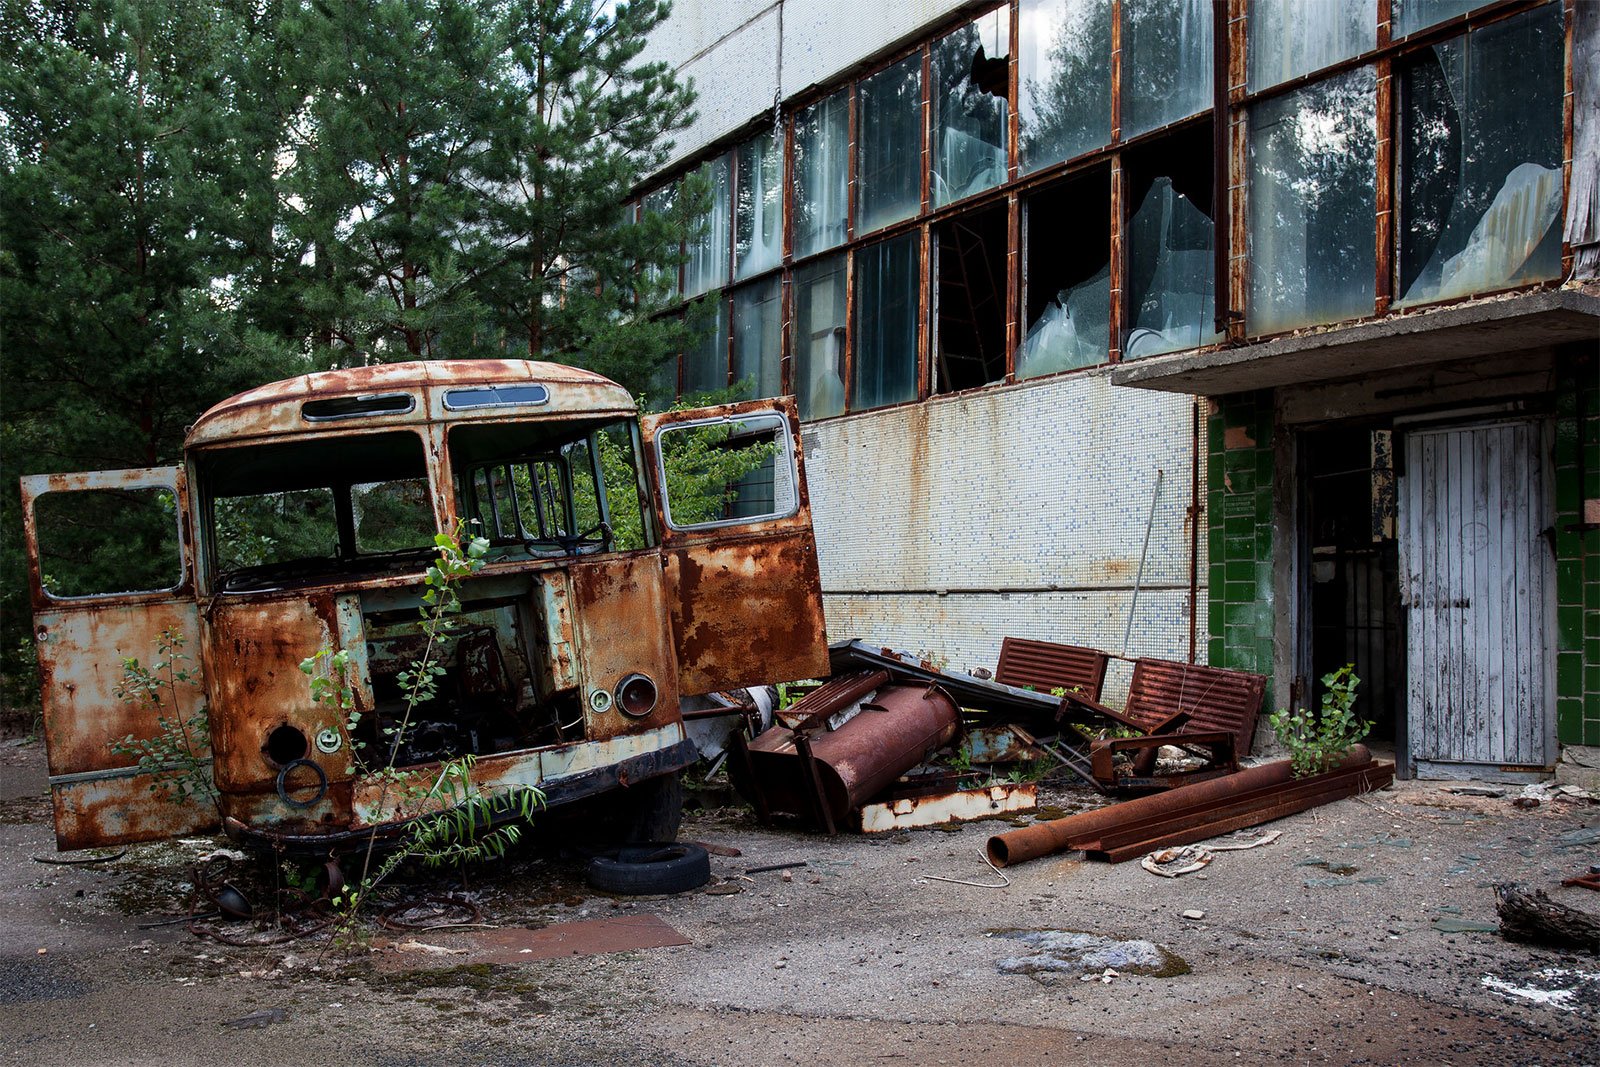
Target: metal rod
(1138, 577)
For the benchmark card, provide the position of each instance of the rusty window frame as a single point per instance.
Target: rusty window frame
(1389, 52)
(786, 452)
(541, 395)
(1228, 113)
(368, 412)
(156, 479)
(202, 500)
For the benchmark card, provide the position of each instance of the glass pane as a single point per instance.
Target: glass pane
(822, 174)
(99, 541)
(391, 516)
(1313, 204)
(1166, 62)
(971, 80)
(1413, 15)
(664, 202)
(1067, 241)
(886, 280)
(888, 161)
(758, 220)
(496, 396)
(817, 338)
(705, 364)
(707, 267)
(1172, 301)
(1480, 160)
(1289, 38)
(758, 338)
(724, 472)
(1063, 79)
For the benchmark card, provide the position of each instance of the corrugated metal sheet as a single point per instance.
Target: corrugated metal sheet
(1478, 579)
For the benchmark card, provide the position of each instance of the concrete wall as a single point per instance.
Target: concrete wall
(947, 525)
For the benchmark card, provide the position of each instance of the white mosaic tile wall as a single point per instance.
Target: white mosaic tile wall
(948, 525)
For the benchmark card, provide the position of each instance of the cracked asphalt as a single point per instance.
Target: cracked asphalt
(1351, 939)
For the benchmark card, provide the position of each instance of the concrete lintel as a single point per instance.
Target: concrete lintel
(1508, 324)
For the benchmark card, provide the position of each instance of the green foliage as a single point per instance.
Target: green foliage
(178, 757)
(1317, 741)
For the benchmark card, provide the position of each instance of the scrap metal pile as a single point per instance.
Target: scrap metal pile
(855, 753)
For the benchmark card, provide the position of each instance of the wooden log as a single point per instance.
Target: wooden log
(1530, 915)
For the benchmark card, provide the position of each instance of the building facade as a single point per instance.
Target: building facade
(1261, 332)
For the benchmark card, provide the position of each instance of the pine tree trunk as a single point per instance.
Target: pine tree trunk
(1530, 915)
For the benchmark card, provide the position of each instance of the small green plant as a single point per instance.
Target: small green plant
(178, 757)
(1318, 740)
(455, 822)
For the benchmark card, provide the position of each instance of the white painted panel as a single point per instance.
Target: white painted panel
(1026, 506)
(731, 50)
(1478, 578)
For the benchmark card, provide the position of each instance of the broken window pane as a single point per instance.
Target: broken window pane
(1313, 204)
(817, 337)
(758, 338)
(1289, 38)
(707, 267)
(1413, 15)
(971, 81)
(1063, 80)
(969, 334)
(822, 174)
(1171, 290)
(705, 363)
(1166, 62)
(1480, 160)
(885, 367)
(102, 541)
(758, 218)
(662, 202)
(1067, 288)
(889, 148)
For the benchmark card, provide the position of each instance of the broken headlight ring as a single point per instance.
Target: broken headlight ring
(637, 695)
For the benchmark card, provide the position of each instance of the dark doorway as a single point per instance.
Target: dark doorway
(1352, 570)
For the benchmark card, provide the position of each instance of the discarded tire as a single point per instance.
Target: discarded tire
(640, 870)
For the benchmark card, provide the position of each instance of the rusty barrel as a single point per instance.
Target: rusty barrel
(896, 729)
(1057, 835)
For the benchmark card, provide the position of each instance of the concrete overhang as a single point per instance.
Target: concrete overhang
(1510, 324)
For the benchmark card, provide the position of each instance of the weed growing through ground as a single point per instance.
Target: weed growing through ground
(1317, 740)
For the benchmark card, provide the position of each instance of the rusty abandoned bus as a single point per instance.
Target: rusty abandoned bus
(303, 520)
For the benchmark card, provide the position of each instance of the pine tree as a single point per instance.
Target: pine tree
(457, 181)
(127, 173)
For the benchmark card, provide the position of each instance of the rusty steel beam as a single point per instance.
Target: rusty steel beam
(1262, 786)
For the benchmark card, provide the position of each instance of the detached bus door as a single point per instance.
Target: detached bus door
(737, 545)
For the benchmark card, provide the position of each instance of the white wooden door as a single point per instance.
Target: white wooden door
(1478, 581)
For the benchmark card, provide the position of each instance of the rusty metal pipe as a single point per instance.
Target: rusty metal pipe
(1042, 839)
(890, 735)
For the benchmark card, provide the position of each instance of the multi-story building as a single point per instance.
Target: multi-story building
(1262, 332)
